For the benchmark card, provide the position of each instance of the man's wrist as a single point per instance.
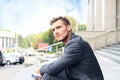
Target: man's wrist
(36, 76)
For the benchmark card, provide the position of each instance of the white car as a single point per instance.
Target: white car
(19, 56)
(11, 59)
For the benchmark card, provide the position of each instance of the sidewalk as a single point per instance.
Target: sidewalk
(110, 69)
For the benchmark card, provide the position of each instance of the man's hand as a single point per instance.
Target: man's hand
(37, 75)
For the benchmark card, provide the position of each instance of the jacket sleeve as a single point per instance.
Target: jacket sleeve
(71, 56)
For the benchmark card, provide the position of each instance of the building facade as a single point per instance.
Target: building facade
(7, 40)
(103, 15)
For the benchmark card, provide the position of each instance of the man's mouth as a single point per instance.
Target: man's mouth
(58, 35)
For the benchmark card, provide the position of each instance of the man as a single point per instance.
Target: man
(78, 61)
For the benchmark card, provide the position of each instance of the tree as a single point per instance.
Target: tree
(19, 39)
(36, 41)
(73, 23)
(31, 41)
(24, 44)
(47, 37)
(82, 27)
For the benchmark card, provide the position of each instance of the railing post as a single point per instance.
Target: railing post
(56, 48)
(95, 43)
(105, 39)
(116, 36)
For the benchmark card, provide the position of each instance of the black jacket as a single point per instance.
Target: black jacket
(78, 60)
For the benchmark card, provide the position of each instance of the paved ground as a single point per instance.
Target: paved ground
(10, 71)
(111, 70)
(25, 74)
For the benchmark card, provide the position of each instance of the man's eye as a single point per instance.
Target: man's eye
(53, 30)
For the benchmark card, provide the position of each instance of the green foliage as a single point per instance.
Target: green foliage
(19, 39)
(24, 44)
(47, 37)
(34, 39)
(31, 41)
(82, 27)
(73, 23)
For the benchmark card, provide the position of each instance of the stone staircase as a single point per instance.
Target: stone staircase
(111, 52)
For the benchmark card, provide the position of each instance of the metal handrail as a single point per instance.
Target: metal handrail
(103, 39)
(55, 44)
(103, 33)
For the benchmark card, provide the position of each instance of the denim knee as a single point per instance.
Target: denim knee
(46, 77)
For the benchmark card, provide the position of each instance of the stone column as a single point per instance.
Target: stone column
(110, 14)
(90, 15)
(98, 15)
(118, 13)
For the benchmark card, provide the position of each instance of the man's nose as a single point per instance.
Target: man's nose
(56, 32)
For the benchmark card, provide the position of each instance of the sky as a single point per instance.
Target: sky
(32, 16)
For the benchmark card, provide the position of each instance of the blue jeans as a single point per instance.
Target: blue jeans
(60, 76)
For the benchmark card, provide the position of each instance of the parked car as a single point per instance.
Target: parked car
(21, 59)
(19, 56)
(2, 59)
(10, 59)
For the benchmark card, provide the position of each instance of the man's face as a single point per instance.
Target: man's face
(60, 30)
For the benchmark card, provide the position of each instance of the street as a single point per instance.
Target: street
(13, 72)
(110, 69)
(22, 71)
(9, 71)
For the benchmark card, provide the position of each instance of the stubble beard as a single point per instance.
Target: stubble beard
(64, 38)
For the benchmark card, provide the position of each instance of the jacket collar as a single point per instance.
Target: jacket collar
(72, 36)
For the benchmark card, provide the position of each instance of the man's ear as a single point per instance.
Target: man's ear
(69, 28)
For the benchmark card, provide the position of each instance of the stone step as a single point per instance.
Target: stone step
(108, 55)
(115, 45)
(114, 52)
(113, 48)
